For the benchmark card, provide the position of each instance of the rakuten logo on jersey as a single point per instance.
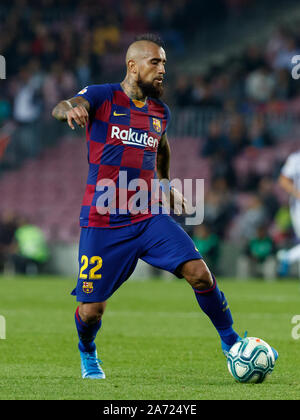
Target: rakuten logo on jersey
(133, 137)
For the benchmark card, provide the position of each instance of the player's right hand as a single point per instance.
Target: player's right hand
(79, 114)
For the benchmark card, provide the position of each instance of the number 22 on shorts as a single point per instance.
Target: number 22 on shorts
(93, 275)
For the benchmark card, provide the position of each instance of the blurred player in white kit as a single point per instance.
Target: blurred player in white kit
(289, 180)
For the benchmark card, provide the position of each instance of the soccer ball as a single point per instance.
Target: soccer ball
(250, 360)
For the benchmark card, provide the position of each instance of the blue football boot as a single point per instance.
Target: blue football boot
(275, 353)
(226, 348)
(90, 365)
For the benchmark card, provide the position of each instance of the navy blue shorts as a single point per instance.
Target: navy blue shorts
(107, 257)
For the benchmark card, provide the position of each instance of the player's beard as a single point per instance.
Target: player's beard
(149, 89)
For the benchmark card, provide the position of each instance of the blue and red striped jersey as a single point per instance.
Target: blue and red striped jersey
(122, 139)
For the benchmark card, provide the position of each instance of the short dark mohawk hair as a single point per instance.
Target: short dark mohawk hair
(155, 38)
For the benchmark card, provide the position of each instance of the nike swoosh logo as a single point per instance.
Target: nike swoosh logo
(118, 115)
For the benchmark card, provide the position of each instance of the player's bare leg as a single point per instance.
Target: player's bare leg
(211, 300)
(88, 320)
(91, 312)
(197, 274)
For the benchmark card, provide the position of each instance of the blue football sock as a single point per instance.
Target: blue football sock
(86, 333)
(228, 336)
(214, 304)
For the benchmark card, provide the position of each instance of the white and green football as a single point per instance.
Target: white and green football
(251, 360)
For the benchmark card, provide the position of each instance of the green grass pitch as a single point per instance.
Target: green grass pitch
(155, 343)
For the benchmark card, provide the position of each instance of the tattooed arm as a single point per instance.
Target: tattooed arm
(76, 109)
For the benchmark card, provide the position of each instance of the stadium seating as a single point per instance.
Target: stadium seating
(48, 190)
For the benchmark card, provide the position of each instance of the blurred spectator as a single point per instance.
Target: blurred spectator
(283, 59)
(219, 206)
(276, 43)
(59, 83)
(216, 142)
(223, 87)
(83, 71)
(106, 35)
(267, 196)
(253, 216)
(253, 58)
(258, 134)
(27, 108)
(134, 19)
(208, 244)
(284, 88)
(183, 92)
(260, 84)
(237, 6)
(197, 89)
(31, 249)
(5, 110)
(172, 27)
(237, 135)
(220, 151)
(258, 258)
(223, 169)
(8, 226)
(282, 228)
(203, 96)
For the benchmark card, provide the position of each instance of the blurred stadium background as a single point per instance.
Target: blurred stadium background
(235, 119)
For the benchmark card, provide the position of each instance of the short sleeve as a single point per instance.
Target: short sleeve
(95, 95)
(289, 168)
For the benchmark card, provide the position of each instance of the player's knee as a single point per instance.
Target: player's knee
(91, 313)
(197, 274)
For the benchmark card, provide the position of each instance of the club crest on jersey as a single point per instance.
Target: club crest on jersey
(87, 286)
(156, 124)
